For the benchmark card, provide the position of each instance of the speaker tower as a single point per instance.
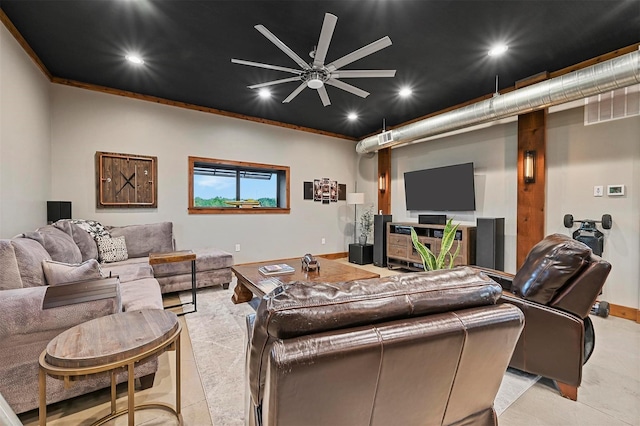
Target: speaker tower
(380, 239)
(490, 243)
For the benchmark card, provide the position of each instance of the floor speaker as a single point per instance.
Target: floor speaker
(490, 243)
(380, 239)
(57, 210)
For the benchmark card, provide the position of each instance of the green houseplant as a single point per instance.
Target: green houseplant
(445, 258)
(366, 225)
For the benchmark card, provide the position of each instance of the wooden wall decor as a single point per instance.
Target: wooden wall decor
(126, 180)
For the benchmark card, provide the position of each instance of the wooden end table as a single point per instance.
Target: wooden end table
(251, 282)
(179, 256)
(124, 339)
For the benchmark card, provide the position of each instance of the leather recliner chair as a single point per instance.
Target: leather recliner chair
(427, 348)
(556, 287)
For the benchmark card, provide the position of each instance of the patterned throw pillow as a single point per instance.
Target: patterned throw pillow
(60, 273)
(111, 249)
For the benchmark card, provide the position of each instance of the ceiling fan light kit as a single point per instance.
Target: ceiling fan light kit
(316, 74)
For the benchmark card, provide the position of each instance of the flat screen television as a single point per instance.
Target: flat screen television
(449, 188)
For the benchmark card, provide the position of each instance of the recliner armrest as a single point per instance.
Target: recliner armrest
(505, 279)
(551, 343)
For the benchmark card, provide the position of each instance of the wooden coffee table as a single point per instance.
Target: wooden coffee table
(251, 282)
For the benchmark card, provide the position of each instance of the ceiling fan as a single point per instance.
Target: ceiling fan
(316, 74)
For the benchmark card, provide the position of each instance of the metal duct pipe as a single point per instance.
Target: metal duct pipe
(603, 77)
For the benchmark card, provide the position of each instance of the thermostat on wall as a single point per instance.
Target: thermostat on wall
(615, 190)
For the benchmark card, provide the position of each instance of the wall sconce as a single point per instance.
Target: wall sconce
(529, 166)
(382, 182)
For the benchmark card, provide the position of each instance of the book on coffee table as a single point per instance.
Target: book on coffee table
(279, 269)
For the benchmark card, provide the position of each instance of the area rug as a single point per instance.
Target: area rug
(218, 338)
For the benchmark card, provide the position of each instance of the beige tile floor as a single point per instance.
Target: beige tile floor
(609, 394)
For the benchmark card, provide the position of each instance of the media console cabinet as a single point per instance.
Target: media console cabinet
(402, 254)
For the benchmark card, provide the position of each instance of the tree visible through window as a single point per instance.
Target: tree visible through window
(231, 187)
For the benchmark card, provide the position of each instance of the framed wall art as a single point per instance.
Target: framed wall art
(126, 180)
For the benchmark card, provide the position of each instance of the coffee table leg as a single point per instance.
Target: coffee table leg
(241, 293)
(42, 379)
(131, 395)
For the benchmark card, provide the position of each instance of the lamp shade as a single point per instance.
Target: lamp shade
(355, 198)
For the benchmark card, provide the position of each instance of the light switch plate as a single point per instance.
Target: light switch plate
(598, 191)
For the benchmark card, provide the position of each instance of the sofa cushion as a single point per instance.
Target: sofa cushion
(112, 249)
(144, 239)
(59, 273)
(300, 308)
(207, 259)
(29, 257)
(141, 294)
(548, 267)
(10, 275)
(58, 244)
(85, 242)
(126, 271)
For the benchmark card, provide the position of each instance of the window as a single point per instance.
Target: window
(221, 186)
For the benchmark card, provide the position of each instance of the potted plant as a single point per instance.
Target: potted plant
(445, 258)
(366, 225)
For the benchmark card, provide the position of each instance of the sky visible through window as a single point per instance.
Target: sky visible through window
(207, 187)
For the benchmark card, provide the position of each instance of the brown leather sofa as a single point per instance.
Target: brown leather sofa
(426, 348)
(556, 287)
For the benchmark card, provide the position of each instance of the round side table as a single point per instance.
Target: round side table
(107, 344)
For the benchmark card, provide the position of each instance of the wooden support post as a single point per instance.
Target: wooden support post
(532, 136)
(384, 174)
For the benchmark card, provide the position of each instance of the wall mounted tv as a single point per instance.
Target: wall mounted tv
(449, 188)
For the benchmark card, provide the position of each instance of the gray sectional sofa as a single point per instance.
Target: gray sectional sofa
(63, 252)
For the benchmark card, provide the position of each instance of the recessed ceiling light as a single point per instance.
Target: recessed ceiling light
(498, 50)
(134, 59)
(264, 93)
(352, 116)
(405, 92)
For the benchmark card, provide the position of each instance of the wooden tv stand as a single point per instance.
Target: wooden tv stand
(402, 254)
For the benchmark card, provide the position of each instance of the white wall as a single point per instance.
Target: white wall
(578, 158)
(84, 122)
(25, 153)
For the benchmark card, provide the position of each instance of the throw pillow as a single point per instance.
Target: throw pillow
(60, 273)
(112, 249)
(58, 244)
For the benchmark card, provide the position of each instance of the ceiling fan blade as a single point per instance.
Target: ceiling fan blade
(267, 66)
(363, 73)
(271, 83)
(295, 93)
(360, 53)
(275, 40)
(326, 33)
(349, 88)
(324, 97)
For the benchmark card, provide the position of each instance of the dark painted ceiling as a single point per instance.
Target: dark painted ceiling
(439, 49)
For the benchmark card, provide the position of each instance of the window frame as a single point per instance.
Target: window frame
(192, 209)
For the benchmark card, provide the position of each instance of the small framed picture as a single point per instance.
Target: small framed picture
(615, 190)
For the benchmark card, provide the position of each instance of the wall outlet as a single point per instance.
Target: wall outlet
(598, 191)
(237, 247)
(324, 241)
